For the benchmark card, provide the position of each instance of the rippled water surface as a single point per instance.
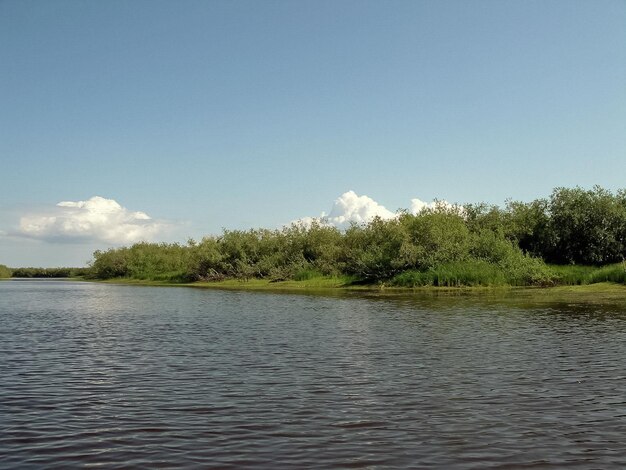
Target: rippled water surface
(118, 376)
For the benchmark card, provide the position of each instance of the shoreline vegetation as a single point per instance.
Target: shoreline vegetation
(574, 237)
(6, 272)
(336, 285)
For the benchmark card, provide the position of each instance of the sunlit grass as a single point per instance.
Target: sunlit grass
(581, 275)
(470, 274)
(474, 273)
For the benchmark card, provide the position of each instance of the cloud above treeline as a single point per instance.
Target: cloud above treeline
(103, 220)
(96, 219)
(350, 208)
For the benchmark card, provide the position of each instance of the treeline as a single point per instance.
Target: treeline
(475, 244)
(46, 272)
(5, 271)
(572, 226)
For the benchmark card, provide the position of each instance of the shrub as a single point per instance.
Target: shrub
(4, 271)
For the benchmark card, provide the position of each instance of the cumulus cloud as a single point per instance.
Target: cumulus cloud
(97, 219)
(351, 208)
(307, 222)
(417, 206)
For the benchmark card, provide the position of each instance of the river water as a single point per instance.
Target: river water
(147, 377)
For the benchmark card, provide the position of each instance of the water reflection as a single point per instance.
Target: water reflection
(155, 377)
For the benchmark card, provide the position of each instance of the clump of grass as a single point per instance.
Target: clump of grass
(306, 275)
(572, 275)
(575, 275)
(515, 270)
(466, 273)
(611, 273)
(171, 276)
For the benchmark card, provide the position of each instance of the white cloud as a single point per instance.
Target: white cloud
(96, 219)
(349, 208)
(307, 222)
(417, 206)
(352, 208)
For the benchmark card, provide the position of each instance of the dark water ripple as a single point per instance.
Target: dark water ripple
(125, 377)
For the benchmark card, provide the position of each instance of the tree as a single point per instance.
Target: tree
(587, 226)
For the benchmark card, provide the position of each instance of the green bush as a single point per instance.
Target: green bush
(4, 271)
(49, 272)
(589, 226)
(376, 250)
(436, 236)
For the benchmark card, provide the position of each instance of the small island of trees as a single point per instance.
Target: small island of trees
(575, 236)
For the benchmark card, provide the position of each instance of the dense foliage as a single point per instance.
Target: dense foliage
(475, 244)
(49, 272)
(572, 226)
(4, 271)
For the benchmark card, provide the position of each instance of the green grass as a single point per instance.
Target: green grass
(171, 276)
(475, 273)
(313, 282)
(614, 273)
(472, 273)
(317, 282)
(306, 275)
(573, 275)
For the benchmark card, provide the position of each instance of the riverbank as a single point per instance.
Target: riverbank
(598, 293)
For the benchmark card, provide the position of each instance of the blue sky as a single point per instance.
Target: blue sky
(240, 114)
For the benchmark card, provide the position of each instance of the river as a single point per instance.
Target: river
(114, 376)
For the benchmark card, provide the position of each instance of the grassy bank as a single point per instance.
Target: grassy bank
(480, 273)
(470, 274)
(446, 279)
(317, 283)
(573, 275)
(600, 295)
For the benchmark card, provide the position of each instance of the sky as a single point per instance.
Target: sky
(131, 120)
